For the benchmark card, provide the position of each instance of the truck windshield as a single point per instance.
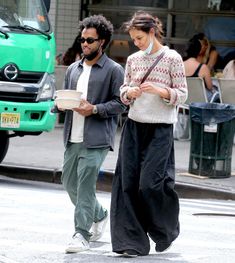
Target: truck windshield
(30, 13)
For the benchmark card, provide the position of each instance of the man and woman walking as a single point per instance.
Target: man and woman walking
(144, 203)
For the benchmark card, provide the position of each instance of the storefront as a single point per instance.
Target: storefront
(181, 20)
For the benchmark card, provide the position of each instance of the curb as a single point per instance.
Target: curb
(104, 183)
(186, 190)
(31, 173)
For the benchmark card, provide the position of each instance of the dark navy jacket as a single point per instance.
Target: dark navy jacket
(105, 80)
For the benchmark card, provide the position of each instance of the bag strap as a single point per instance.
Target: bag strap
(153, 65)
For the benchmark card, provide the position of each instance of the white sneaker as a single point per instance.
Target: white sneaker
(77, 244)
(98, 228)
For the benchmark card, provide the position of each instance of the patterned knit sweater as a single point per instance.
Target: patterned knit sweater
(168, 73)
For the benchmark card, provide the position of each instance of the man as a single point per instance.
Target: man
(89, 130)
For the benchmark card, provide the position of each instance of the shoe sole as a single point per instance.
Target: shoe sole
(126, 255)
(75, 250)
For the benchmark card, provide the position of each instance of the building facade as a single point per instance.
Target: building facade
(181, 20)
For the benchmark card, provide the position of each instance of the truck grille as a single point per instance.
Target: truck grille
(28, 80)
(25, 77)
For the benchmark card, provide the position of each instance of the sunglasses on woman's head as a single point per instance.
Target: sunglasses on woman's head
(89, 40)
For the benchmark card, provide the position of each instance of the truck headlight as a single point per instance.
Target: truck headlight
(48, 88)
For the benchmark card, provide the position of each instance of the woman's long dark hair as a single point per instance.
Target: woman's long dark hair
(72, 52)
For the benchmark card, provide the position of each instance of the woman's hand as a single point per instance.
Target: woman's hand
(133, 93)
(148, 87)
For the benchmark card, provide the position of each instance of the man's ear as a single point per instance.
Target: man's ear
(102, 42)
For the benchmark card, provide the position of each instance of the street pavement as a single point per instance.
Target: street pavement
(36, 225)
(40, 158)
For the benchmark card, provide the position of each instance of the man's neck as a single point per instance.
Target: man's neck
(93, 61)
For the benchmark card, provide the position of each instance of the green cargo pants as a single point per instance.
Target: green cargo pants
(79, 175)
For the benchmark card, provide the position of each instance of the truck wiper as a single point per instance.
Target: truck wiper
(26, 28)
(38, 30)
(4, 33)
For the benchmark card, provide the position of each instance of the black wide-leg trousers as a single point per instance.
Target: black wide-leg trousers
(143, 202)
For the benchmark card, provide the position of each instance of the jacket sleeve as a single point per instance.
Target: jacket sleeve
(114, 106)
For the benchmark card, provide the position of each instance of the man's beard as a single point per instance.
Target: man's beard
(92, 55)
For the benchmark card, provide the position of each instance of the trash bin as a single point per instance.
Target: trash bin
(212, 133)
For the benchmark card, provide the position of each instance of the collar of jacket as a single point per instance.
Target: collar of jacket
(100, 62)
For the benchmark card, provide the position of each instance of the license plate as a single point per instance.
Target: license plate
(10, 120)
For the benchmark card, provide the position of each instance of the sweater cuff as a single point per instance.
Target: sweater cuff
(124, 98)
(173, 97)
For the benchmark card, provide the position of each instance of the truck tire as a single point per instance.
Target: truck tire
(4, 143)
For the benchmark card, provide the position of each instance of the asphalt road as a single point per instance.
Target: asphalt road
(36, 223)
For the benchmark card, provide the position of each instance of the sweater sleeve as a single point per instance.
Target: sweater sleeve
(126, 84)
(178, 90)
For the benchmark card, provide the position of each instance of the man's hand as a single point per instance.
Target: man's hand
(85, 108)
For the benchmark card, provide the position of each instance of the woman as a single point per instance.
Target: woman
(193, 68)
(144, 203)
(208, 54)
(73, 53)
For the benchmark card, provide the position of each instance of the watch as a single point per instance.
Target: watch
(94, 110)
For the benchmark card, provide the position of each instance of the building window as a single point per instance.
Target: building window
(181, 20)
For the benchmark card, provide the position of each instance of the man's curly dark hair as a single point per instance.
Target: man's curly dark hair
(103, 27)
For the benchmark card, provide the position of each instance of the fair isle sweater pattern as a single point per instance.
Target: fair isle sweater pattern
(169, 73)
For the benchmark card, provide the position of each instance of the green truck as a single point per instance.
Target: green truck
(27, 61)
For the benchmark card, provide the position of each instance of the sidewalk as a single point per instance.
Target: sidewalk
(42, 156)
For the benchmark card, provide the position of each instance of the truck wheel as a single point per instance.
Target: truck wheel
(4, 143)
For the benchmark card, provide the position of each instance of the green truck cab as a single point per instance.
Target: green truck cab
(27, 61)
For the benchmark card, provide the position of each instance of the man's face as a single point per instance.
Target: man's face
(92, 43)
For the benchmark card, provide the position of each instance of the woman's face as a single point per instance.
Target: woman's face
(140, 38)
